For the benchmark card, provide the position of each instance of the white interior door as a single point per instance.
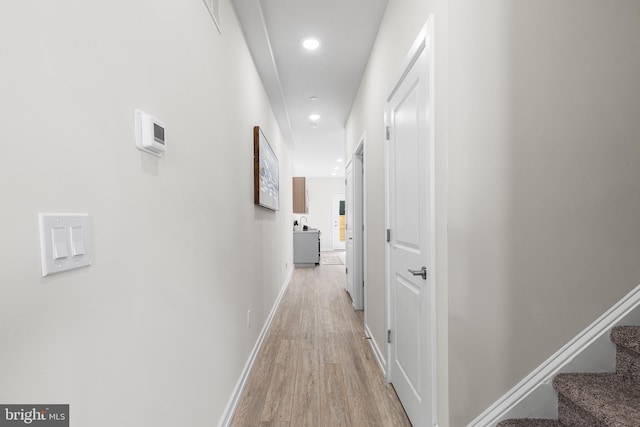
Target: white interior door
(357, 222)
(409, 121)
(348, 173)
(339, 222)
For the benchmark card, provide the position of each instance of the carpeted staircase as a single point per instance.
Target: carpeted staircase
(599, 400)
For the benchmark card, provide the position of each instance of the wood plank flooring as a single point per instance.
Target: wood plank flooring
(314, 367)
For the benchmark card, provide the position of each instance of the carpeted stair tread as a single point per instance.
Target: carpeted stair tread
(529, 422)
(614, 402)
(626, 336)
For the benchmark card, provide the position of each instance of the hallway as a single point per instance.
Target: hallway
(314, 367)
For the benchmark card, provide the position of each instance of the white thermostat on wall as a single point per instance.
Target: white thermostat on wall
(150, 134)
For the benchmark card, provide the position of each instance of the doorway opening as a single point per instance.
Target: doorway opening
(338, 214)
(356, 240)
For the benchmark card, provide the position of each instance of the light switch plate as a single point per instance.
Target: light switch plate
(64, 242)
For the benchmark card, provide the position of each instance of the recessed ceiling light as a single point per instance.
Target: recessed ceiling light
(339, 160)
(314, 117)
(314, 98)
(333, 174)
(336, 168)
(310, 43)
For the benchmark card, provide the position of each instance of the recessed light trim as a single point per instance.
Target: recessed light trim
(314, 117)
(310, 43)
(313, 98)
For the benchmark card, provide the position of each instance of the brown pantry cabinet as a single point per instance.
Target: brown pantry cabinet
(300, 195)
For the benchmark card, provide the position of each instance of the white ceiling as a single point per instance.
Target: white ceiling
(346, 29)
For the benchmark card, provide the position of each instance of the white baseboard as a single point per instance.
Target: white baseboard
(227, 415)
(376, 351)
(589, 351)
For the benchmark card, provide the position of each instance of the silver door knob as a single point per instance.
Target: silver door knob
(422, 272)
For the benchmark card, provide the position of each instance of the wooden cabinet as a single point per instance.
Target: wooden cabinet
(300, 195)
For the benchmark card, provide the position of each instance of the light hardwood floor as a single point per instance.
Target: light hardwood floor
(314, 367)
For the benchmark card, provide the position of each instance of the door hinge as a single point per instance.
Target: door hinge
(346, 270)
(388, 336)
(388, 133)
(388, 235)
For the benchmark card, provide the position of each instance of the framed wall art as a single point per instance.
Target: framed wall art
(266, 173)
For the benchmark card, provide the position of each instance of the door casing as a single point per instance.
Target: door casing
(359, 235)
(349, 261)
(335, 219)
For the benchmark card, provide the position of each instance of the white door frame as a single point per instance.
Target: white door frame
(336, 198)
(349, 279)
(359, 236)
(424, 39)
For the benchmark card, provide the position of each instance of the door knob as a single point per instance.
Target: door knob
(422, 272)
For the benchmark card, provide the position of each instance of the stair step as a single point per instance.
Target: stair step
(626, 336)
(627, 341)
(529, 422)
(604, 397)
(571, 415)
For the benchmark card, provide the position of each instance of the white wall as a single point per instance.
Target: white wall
(544, 182)
(320, 215)
(537, 131)
(154, 332)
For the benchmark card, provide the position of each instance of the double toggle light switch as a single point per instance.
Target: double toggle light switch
(63, 242)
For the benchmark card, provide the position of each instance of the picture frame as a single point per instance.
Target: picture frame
(266, 172)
